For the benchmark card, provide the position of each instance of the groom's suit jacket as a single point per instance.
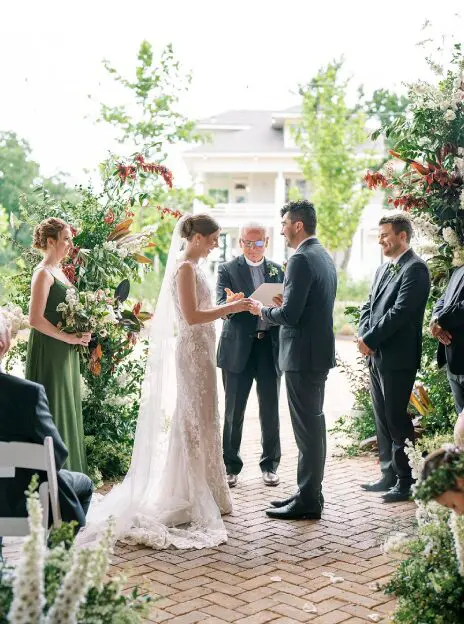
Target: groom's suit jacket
(25, 417)
(449, 311)
(238, 331)
(391, 319)
(306, 337)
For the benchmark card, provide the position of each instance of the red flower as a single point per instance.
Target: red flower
(132, 337)
(168, 211)
(109, 217)
(373, 179)
(70, 271)
(136, 309)
(126, 171)
(73, 230)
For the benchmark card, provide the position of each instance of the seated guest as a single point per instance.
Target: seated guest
(25, 417)
(442, 479)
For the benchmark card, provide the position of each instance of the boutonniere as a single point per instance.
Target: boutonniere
(273, 271)
(394, 268)
(284, 266)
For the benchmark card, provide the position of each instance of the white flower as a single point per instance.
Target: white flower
(450, 115)
(461, 199)
(122, 380)
(458, 257)
(396, 543)
(122, 252)
(450, 237)
(456, 524)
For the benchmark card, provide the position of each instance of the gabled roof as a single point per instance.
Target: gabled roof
(242, 131)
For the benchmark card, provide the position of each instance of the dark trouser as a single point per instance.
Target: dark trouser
(390, 391)
(237, 386)
(82, 487)
(456, 383)
(305, 393)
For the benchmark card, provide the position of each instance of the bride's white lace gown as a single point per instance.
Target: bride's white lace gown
(177, 502)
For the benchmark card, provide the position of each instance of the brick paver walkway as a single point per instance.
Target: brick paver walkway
(323, 572)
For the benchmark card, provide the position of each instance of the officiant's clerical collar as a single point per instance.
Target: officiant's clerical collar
(251, 263)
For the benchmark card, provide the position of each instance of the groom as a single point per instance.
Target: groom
(307, 352)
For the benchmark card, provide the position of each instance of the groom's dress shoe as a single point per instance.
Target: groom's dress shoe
(270, 478)
(286, 501)
(294, 511)
(397, 494)
(382, 485)
(232, 480)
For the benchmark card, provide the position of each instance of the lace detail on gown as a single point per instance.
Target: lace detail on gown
(184, 509)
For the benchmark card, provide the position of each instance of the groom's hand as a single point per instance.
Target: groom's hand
(231, 296)
(256, 307)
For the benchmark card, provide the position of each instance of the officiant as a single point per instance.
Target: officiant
(249, 350)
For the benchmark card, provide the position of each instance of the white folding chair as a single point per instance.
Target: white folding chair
(34, 457)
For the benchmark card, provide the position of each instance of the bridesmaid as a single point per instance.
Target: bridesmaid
(51, 358)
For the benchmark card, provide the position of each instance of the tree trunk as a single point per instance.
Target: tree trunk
(346, 258)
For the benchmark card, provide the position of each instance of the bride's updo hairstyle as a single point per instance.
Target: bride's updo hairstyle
(198, 224)
(48, 228)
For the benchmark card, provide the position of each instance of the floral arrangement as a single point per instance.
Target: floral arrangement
(429, 139)
(109, 255)
(62, 584)
(15, 318)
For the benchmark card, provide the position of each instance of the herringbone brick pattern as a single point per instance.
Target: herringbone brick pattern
(323, 572)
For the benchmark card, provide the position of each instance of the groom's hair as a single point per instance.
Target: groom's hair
(400, 222)
(304, 211)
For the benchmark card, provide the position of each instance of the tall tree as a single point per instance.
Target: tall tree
(153, 123)
(332, 138)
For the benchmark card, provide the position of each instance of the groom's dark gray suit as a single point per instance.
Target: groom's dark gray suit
(307, 352)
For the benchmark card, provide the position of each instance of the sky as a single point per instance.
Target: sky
(242, 54)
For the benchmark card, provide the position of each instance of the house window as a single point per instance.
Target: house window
(220, 196)
(240, 193)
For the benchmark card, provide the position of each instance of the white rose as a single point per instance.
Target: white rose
(450, 115)
(450, 237)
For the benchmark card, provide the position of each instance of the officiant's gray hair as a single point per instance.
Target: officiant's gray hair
(253, 225)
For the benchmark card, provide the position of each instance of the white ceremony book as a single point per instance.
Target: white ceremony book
(266, 292)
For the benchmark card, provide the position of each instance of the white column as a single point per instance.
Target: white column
(199, 187)
(278, 251)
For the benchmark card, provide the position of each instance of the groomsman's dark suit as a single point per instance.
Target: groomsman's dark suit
(25, 417)
(244, 354)
(307, 352)
(449, 314)
(391, 326)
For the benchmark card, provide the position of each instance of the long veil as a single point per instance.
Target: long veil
(139, 512)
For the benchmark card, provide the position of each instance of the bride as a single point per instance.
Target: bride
(176, 490)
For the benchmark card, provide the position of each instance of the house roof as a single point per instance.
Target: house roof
(244, 131)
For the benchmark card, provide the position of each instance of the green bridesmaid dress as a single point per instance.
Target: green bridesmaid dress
(55, 365)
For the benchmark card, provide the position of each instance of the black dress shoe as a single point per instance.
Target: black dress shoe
(294, 511)
(283, 502)
(397, 494)
(286, 501)
(232, 480)
(382, 485)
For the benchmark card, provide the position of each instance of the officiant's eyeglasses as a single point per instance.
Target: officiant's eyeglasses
(250, 244)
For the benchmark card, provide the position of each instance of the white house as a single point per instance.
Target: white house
(249, 167)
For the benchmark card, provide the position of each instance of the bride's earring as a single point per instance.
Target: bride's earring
(198, 242)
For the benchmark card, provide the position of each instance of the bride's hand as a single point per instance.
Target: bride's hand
(242, 305)
(79, 339)
(231, 296)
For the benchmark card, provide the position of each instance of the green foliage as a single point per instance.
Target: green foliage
(152, 120)
(385, 107)
(330, 136)
(428, 585)
(359, 424)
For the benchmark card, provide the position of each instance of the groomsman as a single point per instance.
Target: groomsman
(447, 325)
(249, 350)
(390, 335)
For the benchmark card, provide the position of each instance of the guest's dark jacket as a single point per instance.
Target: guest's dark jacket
(306, 337)
(238, 331)
(449, 311)
(391, 319)
(25, 417)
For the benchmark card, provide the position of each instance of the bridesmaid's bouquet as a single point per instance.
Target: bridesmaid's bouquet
(87, 312)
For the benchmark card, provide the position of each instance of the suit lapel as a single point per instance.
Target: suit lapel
(382, 282)
(388, 278)
(457, 286)
(268, 278)
(245, 276)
